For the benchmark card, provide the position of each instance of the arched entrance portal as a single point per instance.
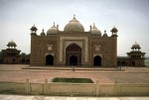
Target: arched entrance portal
(49, 60)
(133, 63)
(73, 55)
(73, 60)
(97, 61)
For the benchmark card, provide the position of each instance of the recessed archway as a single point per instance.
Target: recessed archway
(133, 63)
(73, 60)
(13, 61)
(49, 60)
(97, 61)
(73, 54)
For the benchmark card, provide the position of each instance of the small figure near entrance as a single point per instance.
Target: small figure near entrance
(73, 68)
(120, 67)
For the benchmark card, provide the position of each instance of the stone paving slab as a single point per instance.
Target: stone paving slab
(20, 97)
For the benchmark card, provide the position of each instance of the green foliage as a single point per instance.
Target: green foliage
(73, 80)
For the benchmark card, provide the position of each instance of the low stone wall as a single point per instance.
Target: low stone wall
(137, 89)
(76, 89)
(71, 89)
(106, 89)
(12, 87)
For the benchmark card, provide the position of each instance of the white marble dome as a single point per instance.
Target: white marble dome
(95, 30)
(74, 26)
(53, 29)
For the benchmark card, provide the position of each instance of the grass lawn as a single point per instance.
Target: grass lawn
(73, 80)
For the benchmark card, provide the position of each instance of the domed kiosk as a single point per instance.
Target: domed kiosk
(134, 58)
(136, 55)
(11, 44)
(135, 46)
(11, 55)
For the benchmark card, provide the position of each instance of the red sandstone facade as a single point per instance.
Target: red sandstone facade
(74, 46)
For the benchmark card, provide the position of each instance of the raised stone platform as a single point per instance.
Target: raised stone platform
(75, 68)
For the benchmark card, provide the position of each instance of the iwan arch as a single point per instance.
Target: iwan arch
(73, 46)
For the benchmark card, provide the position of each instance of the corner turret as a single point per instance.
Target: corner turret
(33, 30)
(114, 31)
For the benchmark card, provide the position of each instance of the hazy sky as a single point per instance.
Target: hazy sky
(131, 17)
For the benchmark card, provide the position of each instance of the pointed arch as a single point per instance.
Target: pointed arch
(73, 54)
(97, 61)
(49, 60)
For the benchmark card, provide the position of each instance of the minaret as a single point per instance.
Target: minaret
(114, 31)
(33, 44)
(114, 36)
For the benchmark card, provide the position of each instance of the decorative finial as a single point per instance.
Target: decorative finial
(94, 25)
(74, 16)
(57, 26)
(136, 43)
(104, 31)
(43, 30)
(90, 27)
(54, 24)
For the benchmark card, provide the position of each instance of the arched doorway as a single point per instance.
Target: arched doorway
(73, 60)
(133, 63)
(123, 63)
(97, 61)
(49, 60)
(119, 63)
(73, 55)
(23, 61)
(13, 61)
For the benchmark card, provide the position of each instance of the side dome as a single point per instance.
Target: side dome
(11, 44)
(52, 30)
(135, 46)
(74, 26)
(95, 30)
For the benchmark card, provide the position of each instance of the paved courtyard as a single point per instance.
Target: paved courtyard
(17, 73)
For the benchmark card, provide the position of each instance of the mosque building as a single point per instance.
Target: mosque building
(73, 46)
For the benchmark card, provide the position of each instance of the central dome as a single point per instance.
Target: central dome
(74, 26)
